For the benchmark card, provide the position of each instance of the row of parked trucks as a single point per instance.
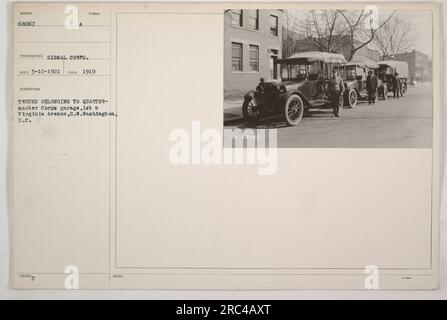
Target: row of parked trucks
(302, 75)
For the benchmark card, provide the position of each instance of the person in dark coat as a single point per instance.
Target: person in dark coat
(396, 85)
(261, 86)
(371, 87)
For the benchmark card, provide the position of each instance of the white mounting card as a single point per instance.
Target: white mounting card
(202, 146)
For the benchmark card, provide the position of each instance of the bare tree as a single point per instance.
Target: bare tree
(360, 34)
(342, 31)
(323, 28)
(290, 35)
(395, 37)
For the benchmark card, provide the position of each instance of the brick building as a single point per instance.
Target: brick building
(295, 42)
(369, 51)
(252, 42)
(419, 65)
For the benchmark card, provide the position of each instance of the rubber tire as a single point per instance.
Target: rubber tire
(353, 93)
(246, 114)
(291, 99)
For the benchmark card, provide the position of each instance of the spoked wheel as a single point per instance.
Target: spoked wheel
(251, 111)
(293, 110)
(352, 98)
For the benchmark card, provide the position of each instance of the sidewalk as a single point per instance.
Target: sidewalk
(233, 111)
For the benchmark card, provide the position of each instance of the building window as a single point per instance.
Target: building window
(236, 56)
(273, 67)
(274, 26)
(373, 55)
(236, 18)
(254, 19)
(254, 58)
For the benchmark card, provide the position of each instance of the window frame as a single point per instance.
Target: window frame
(240, 59)
(240, 13)
(250, 60)
(255, 18)
(274, 28)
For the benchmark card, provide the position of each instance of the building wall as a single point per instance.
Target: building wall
(410, 58)
(419, 66)
(237, 83)
(366, 52)
(359, 54)
(422, 66)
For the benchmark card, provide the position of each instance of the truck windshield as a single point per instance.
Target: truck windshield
(293, 72)
(299, 72)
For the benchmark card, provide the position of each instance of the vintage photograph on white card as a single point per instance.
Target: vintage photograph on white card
(209, 146)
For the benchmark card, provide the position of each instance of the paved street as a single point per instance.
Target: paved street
(395, 123)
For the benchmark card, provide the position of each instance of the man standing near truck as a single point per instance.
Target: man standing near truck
(396, 86)
(336, 88)
(371, 87)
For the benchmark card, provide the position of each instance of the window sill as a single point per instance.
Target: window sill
(245, 28)
(247, 72)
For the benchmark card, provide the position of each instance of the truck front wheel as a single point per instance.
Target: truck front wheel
(352, 98)
(293, 110)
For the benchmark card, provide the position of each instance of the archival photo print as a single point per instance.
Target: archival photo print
(330, 78)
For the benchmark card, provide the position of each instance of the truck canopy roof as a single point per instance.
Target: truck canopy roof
(313, 56)
(401, 67)
(363, 63)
